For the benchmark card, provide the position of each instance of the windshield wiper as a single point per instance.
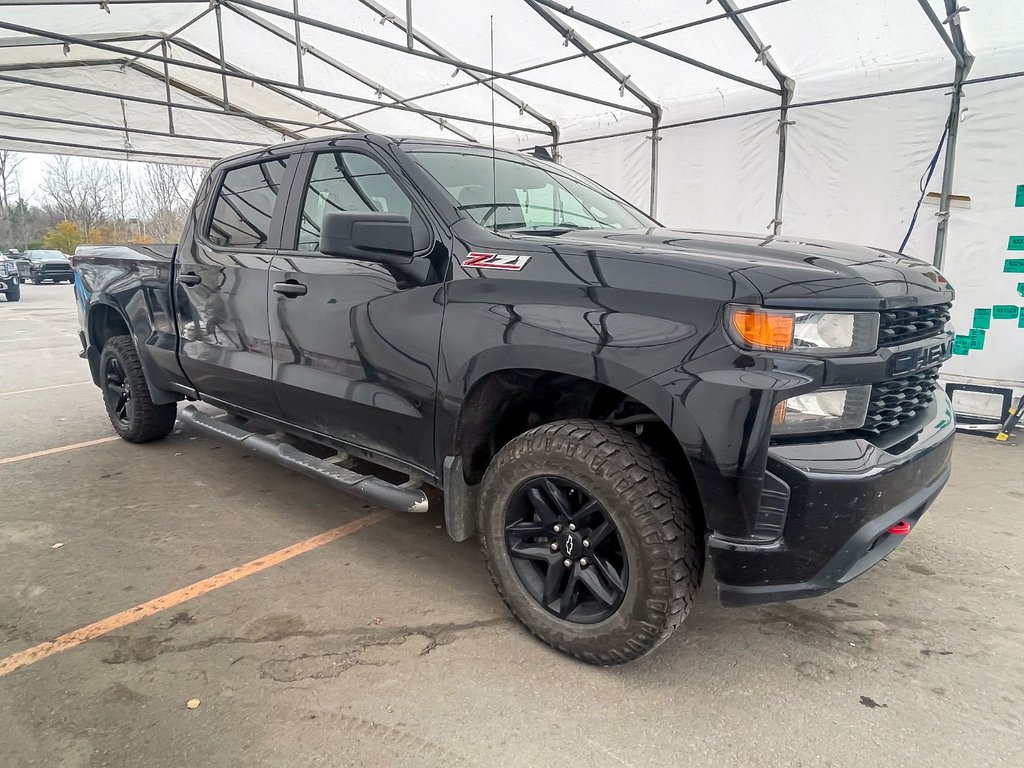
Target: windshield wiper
(549, 229)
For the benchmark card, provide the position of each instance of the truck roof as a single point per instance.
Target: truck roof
(379, 138)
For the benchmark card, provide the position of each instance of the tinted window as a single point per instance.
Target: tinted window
(347, 181)
(245, 205)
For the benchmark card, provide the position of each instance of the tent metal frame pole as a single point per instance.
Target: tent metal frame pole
(409, 38)
(643, 43)
(299, 73)
(220, 48)
(167, 88)
(330, 61)
(937, 23)
(963, 68)
(430, 55)
(787, 88)
(624, 81)
(266, 82)
(264, 121)
(432, 45)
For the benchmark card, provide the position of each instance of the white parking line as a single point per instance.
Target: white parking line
(43, 389)
(61, 449)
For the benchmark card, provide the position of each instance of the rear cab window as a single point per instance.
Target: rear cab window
(244, 208)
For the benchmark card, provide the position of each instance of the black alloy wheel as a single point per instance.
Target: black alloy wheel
(566, 549)
(117, 393)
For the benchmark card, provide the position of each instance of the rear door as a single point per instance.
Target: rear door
(355, 343)
(221, 282)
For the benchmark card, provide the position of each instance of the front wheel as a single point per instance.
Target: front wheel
(14, 294)
(589, 540)
(133, 414)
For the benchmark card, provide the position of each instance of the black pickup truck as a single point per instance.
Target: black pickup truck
(602, 400)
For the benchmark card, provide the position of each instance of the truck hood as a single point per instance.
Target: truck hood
(786, 271)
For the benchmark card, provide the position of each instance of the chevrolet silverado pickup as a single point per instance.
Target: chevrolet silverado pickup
(604, 401)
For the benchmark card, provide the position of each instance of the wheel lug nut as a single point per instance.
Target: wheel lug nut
(554, 546)
(567, 563)
(572, 526)
(558, 529)
(586, 543)
(583, 562)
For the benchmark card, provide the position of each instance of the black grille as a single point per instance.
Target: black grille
(898, 400)
(898, 326)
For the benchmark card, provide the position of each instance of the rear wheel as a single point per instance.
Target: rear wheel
(133, 414)
(37, 280)
(589, 540)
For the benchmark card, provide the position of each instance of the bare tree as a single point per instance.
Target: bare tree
(9, 179)
(77, 190)
(164, 195)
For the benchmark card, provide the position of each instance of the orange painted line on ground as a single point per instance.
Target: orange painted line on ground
(61, 449)
(124, 618)
(43, 389)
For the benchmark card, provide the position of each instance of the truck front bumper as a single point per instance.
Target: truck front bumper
(840, 506)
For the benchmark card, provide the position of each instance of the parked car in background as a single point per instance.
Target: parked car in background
(10, 281)
(21, 261)
(48, 265)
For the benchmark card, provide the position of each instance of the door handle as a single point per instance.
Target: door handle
(290, 289)
(190, 278)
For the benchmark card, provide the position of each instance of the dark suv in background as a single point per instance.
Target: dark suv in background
(10, 282)
(48, 265)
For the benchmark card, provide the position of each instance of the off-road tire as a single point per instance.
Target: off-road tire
(659, 532)
(14, 294)
(148, 421)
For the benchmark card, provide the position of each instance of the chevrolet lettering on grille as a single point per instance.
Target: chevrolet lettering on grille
(922, 357)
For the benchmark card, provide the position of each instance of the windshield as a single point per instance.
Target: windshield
(519, 196)
(47, 256)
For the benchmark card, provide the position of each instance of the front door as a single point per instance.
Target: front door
(221, 283)
(355, 345)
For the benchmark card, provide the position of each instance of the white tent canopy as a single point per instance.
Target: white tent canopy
(819, 117)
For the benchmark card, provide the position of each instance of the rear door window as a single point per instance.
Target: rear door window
(244, 209)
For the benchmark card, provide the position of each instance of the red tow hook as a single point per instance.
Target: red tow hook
(902, 528)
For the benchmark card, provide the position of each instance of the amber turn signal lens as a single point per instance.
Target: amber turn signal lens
(761, 329)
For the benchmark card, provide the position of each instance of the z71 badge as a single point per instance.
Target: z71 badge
(496, 261)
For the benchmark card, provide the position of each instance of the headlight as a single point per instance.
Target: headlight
(819, 333)
(827, 410)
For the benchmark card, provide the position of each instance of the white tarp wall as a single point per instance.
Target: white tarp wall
(872, 96)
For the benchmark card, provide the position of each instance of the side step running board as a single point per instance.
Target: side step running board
(371, 489)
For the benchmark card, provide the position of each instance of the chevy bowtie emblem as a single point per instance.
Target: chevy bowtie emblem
(568, 546)
(496, 261)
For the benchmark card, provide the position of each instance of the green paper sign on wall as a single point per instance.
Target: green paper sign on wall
(1016, 243)
(977, 338)
(962, 345)
(1013, 265)
(982, 318)
(1004, 312)
(1020, 196)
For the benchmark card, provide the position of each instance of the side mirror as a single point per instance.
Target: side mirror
(382, 237)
